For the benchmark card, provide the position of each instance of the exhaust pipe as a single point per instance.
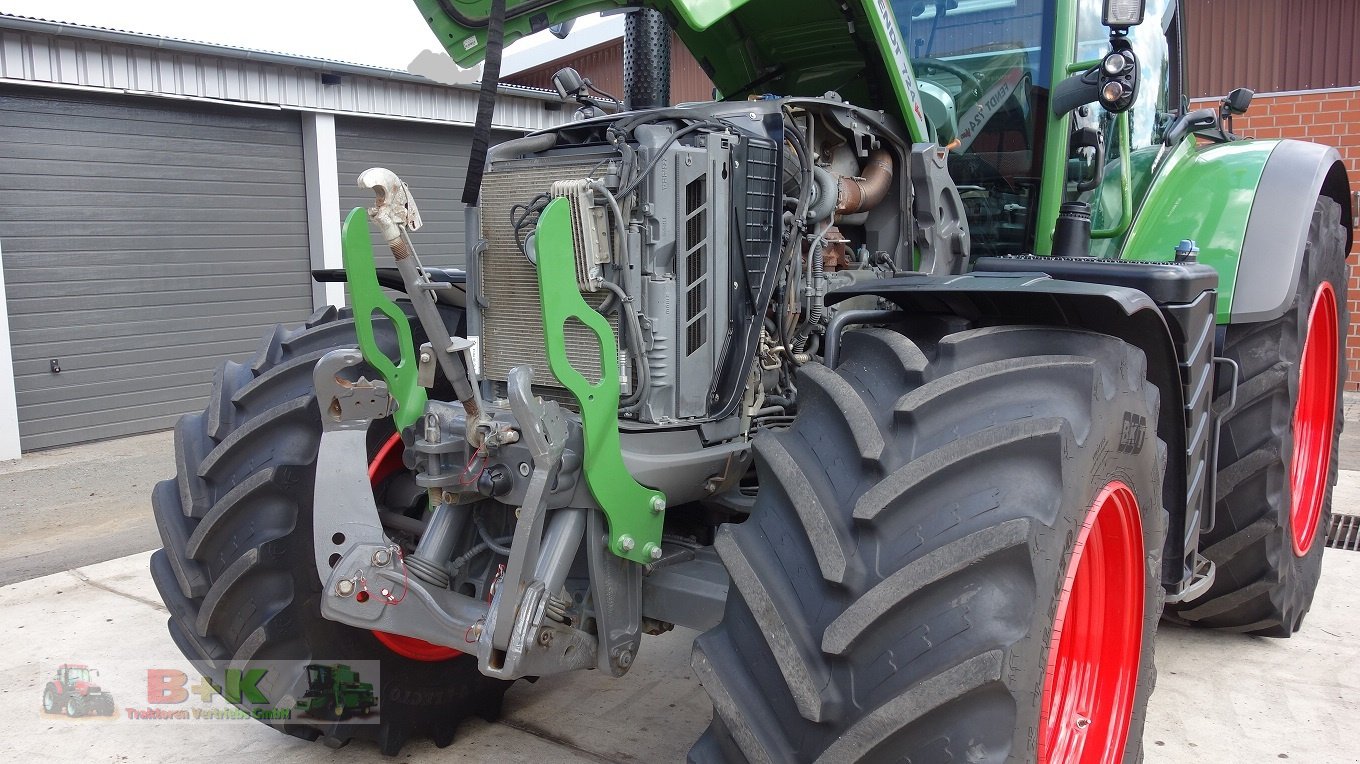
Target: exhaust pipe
(646, 60)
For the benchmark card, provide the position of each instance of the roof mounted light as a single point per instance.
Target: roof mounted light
(1122, 14)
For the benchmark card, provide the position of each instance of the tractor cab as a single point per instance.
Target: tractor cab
(71, 674)
(985, 69)
(319, 680)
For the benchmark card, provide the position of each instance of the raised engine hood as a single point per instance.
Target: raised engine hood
(747, 47)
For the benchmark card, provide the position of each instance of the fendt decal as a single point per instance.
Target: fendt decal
(890, 39)
(981, 112)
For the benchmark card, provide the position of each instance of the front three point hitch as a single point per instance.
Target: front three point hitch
(524, 629)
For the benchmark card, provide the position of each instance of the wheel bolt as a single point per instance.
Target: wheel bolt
(345, 587)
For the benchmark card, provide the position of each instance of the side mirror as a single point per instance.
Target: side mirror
(1119, 15)
(569, 83)
(1238, 101)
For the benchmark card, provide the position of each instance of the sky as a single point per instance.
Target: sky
(383, 33)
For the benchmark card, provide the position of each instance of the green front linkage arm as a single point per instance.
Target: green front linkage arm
(633, 510)
(357, 250)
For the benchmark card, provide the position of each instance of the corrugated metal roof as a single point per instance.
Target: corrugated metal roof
(53, 54)
(1271, 45)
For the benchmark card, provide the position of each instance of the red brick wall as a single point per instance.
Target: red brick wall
(1331, 117)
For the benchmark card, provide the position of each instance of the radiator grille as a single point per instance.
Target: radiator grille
(761, 202)
(512, 319)
(696, 264)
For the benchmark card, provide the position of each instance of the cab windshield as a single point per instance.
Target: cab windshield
(993, 59)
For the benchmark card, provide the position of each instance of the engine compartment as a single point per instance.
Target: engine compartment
(708, 235)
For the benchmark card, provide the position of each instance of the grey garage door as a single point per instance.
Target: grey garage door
(142, 241)
(432, 159)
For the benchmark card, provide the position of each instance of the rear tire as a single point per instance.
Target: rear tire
(237, 571)
(895, 589)
(1264, 585)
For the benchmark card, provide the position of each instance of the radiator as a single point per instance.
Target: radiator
(512, 318)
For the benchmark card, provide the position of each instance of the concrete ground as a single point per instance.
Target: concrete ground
(71, 507)
(76, 589)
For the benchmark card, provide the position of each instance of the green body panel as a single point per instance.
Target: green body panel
(1054, 180)
(464, 36)
(633, 511)
(740, 43)
(368, 298)
(1203, 193)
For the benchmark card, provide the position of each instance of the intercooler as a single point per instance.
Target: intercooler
(512, 314)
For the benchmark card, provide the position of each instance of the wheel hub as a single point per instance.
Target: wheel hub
(1314, 421)
(1092, 673)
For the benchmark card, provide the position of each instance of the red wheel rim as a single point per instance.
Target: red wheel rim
(1314, 421)
(1092, 672)
(384, 465)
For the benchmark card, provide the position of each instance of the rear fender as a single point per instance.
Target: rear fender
(1247, 204)
(1296, 174)
(1036, 299)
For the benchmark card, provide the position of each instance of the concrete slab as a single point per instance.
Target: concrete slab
(1220, 697)
(1349, 456)
(75, 506)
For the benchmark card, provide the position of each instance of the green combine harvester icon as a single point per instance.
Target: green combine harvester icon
(335, 692)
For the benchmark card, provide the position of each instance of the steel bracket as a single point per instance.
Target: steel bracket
(354, 559)
(635, 512)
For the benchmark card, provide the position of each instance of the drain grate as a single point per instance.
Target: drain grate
(1344, 533)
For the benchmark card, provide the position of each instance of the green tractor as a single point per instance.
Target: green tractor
(921, 374)
(335, 693)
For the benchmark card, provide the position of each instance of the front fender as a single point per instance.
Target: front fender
(1118, 311)
(1247, 204)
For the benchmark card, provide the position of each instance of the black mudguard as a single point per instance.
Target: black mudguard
(1295, 175)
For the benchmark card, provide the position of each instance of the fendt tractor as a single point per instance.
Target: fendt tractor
(921, 373)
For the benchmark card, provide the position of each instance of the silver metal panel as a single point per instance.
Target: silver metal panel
(144, 241)
(38, 52)
(512, 321)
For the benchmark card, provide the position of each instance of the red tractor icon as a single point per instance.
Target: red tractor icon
(73, 691)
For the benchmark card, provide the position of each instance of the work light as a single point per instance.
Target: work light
(1122, 14)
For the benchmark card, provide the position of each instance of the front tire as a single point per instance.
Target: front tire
(1277, 459)
(919, 574)
(237, 571)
